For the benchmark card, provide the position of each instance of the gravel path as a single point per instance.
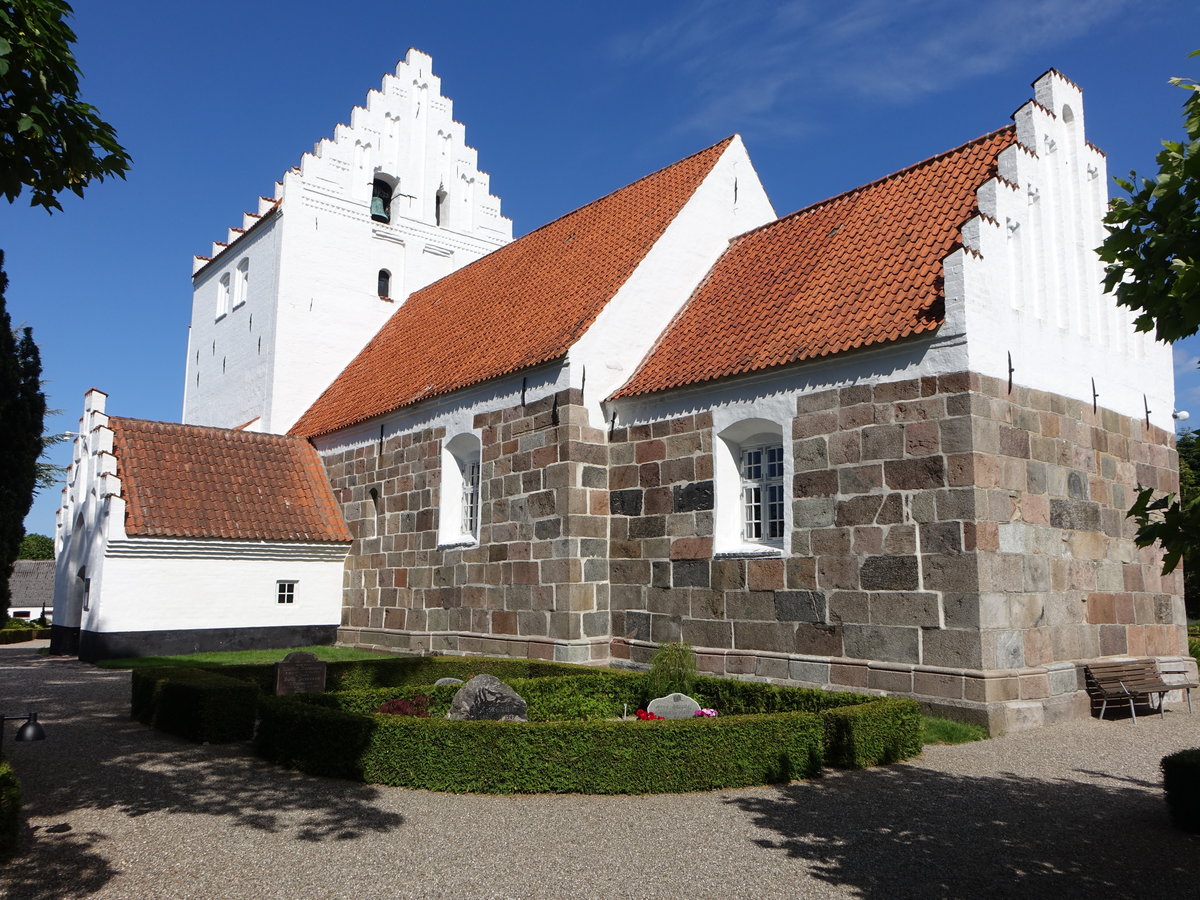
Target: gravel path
(119, 811)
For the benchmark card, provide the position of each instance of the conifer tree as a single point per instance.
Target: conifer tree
(22, 409)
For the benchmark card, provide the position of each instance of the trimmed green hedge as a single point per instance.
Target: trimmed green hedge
(358, 674)
(765, 732)
(15, 635)
(10, 810)
(871, 734)
(600, 757)
(1181, 781)
(195, 703)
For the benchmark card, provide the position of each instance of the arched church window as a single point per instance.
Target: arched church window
(242, 286)
(381, 200)
(385, 284)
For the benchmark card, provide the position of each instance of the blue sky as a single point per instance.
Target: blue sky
(564, 101)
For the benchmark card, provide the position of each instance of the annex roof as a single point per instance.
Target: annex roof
(856, 270)
(32, 583)
(191, 481)
(519, 306)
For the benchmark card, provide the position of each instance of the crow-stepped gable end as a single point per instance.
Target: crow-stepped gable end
(393, 201)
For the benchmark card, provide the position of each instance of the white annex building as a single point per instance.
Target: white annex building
(882, 443)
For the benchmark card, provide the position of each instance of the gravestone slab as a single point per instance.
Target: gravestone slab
(486, 697)
(299, 673)
(441, 682)
(673, 706)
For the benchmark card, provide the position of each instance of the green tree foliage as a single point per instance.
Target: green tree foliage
(1153, 267)
(22, 410)
(36, 546)
(1153, 245)
(50, 141)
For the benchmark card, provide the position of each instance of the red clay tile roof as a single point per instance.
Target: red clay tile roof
(189, 481)
(853, 271)
(519, 306)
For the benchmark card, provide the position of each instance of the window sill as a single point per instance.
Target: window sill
(749, 550)
(239, 305)
(459, 545)
(220, 317)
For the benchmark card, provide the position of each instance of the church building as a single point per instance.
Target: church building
(883, 443)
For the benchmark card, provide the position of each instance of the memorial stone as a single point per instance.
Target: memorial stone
(299, 673)
(486, 697)
(673, 706)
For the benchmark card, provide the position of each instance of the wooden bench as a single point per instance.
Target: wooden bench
(1132, 681)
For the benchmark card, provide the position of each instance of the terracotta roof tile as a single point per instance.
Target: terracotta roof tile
(189, 481)
(853, 271)
(519, 306)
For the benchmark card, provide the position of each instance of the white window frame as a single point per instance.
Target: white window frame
(763, 497)
(742, 491)
(460, 501)
(241, 288)
(285, 592)
(223, 294)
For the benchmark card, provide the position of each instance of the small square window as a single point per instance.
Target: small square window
(285, 592)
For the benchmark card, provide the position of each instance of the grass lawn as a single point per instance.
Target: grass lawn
(946, 731)
(239, 657)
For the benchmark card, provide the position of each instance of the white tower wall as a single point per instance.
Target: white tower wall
(314, 254)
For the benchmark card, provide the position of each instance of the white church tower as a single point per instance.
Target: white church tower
(394, 201)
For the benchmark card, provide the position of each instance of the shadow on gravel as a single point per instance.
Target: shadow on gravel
(96, 758)
(53, 865)
(911, 832)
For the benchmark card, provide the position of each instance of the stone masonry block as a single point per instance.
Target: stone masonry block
(889, 573)
(884, 643)
(819, 640)
(922, 473)
(694, 496)
(800, 606)
(913, 608)
(774, 637)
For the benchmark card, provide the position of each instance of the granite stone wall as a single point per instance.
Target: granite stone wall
(951, 539)
(535, 585)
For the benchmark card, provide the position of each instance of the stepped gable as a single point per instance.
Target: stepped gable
(520, 306)
(190, 481)
(857, 270)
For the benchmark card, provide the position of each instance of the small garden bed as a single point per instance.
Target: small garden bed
(574, 741)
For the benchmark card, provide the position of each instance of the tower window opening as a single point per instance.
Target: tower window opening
(381, 201)
(385, 284)
(439, 207)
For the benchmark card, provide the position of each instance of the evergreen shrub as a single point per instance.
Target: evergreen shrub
(672, 669)
(873, 733)
(195, 703)
(1181, 781)
(16, 635)
(10, 810)
(592, 757)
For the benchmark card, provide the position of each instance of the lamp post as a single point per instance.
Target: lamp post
(32, 730)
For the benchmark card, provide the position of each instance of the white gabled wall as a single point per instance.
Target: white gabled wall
(1034, 288)
(315, 263)
(157, 584)
(729, 201)
(82, 521)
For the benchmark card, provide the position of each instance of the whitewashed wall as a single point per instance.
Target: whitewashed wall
(1028, 283)
(169, 584)
(157, 585)
(316, 301)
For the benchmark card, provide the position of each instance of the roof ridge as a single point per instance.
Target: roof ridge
(679, 162)
(870, 184)
(253, 435)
